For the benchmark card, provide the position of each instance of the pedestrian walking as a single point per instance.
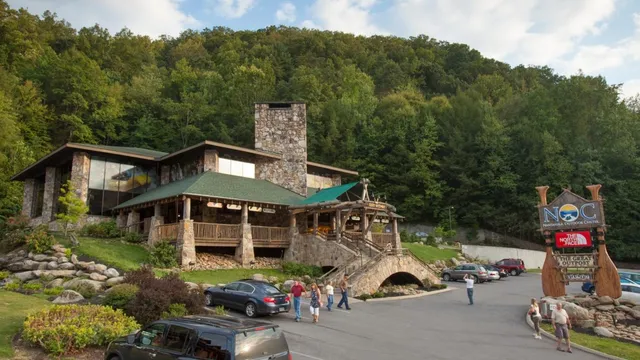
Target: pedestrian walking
(469, 280)
(561, 325)
(329, 288)
(534, 313)
(345, 295)
(296, 293)
(316, 302)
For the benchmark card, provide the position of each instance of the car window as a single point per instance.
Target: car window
(635, 289)
(177, 338)
(232, 286)
(260, 344)
(625, 288)
(245, 288)
(458, 267)
(152, 335)
(468, 267)
(269, 289)
(212, 346)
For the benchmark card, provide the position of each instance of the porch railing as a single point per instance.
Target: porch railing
(382, 239)
(167, 232)
(268, 236)
(208, 234)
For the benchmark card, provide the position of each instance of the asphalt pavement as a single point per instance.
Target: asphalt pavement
(441, 326)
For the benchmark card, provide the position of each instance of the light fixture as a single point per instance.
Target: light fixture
(355, 218)
(211, 204)
(376, 220)
(386, 221)
(255, 208)
(234, 207)
(269, 211)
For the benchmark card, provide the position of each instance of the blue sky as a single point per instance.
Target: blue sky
(594, 36)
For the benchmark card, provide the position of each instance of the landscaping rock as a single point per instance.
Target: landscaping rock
(100, 268)
(40, 257)
(59, 255)
(258, 277)
(586, 324)
(455, 261)
(627, 302)
(52, 265)
(55, 283)
(24, 276)
(66, 266)
(68, 297)
(81, 273)
(31, 265)
(605, 307)
(62, 259)
(616, 302)
(602, 331)
(286, 286)
(54, 273)
(635, 314)
(58, 248)
(623, 308)
(192, 286)
(206, 286)
(91, 268)
(115, 281)
(605, 300)
(30, 255)
(97, 285)
(16, 266)
(111, 273)
(42, 265)
(74, 259)
(97, 277)
(273, 279)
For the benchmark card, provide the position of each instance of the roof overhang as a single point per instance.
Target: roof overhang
(331, 168)
(218, 145)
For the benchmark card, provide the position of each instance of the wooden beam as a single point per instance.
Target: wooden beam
(344, 220)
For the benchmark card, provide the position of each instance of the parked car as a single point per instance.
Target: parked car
(251, 296)
(202, 337)
(478, 273)
(625, 278)
(513, 266)
(588, 287)
(633, 276)
(494, 272)
(630, 290)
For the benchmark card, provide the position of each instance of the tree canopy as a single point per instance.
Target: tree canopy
(432, 124)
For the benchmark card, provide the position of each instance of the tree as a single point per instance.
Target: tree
(73, 208)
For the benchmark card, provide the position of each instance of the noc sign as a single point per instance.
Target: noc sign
(579, 277)
(570, 211)
(573, 239)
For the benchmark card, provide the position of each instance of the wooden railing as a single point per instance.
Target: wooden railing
(206, 234)
(167, 232)
(268, 236)
(382, 239)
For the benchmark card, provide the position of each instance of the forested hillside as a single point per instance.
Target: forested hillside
(432, 124)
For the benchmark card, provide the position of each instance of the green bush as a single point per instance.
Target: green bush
(31, 288)
(438, 286)
(14, 286)
(63, 329)
(87, 291)
(164, 255)
(39, 241)
(408, 237)
(54, 291)
(13, 233)
(220, 310)
(378, 294)
(68, 253)
(132, 237)
(175, 310)
(104, 230)
(120, 296)
(296, 269)
(364, 297)
(4, 275)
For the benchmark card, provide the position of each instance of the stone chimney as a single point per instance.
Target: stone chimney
(281, 128)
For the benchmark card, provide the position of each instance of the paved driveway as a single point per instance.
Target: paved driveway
(438, 326)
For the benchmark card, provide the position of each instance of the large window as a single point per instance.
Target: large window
(38, 197)
(112, 183)
(319, 182)
(237, 168)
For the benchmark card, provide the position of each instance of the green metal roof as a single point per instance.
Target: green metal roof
(217, 185)
(329, 194)
(126, 149)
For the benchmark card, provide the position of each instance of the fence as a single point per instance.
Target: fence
(167, 232)
(267, 236)
(382, 239)
(207, 234)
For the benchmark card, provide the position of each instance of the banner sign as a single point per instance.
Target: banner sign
(575, 260)
(578, 277)
(573, 239)
(570, 211)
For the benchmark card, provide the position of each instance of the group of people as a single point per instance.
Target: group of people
(297, 291)
(560, 321)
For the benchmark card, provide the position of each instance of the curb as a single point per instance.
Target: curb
(573, 345)
(395, 298)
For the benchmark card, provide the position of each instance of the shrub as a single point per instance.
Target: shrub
(132, 237)
(438, 286)
(163, 255)
(12, 239)
(104, 230)
(62, 329)
(31, 288)
(54, 291)
(175, 310)
(120, 295)
(39, 241)
(296, 269)
(14, 286)
(4, 275)
(364, 297)
(378, 294)
(220, 310)
(68, 253)
(18, 222)
(156, 295)
(87, 291)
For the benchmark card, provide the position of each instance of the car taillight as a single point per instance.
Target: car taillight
(269, 300)
(290, 356)
(287, 299)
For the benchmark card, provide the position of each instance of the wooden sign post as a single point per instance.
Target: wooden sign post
(572, 218)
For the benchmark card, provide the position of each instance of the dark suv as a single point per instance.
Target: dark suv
(202, 337)
(512, 266)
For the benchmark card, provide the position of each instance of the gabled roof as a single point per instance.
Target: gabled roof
(328, 194)
(221, 186)
(124, 150)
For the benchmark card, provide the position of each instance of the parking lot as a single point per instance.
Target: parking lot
(441, 326)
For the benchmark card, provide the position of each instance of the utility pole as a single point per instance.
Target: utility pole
(450, 208)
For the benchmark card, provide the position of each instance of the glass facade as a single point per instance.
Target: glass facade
(319, 182)
(38, 198)
(237, 168)
(112, 183)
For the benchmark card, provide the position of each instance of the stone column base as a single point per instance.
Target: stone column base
(153, 230)
(244, 251)
(186, 245)
(133, 218)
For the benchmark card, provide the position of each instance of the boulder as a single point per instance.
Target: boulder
(586, 324)
(54, 273)
(16, 266)
(55, 283)
(616, 302)
(68, 297)
(635, 314)
(30, 255)
(258, 277)
(40, 257)
(627, 302)
(115, 281)
(81, 273)
(206, 286)
(101, 268)
(286, 286)
(455, 261)
(192, 286)
(97, 277)
(58, 248)
(66, 266)
(24, 276)
(574, 311)
(605, 300)
(605, 307)
(52, 265)
(62, 259)
(31, 265)
(59, 255)
(602, 331)
(85, 265)
(42, 265)
(74, 259)
(273, 279)
(91, 268)
(623, 308)
(111, 273)
(586, 302)
(97, 285)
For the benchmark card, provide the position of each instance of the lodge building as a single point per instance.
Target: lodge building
(216, 195)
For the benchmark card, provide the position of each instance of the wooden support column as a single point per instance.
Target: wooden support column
(364, 221)
(186, 211)
(315, 223)
(338, 225)
(292, 221)
(245, 213)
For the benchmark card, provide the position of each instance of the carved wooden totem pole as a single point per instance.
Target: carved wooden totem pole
(572, 219)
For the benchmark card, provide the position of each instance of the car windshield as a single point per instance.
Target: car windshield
(261, 343)
(269, 289)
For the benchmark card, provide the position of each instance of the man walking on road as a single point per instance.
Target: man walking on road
(329, 288)
(345, 296)
(469, 280)
(296, 293)
(560, 320)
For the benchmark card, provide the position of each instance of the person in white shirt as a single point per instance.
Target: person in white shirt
(329, 288)
(560, 320)
(534, 312)
(469, 280)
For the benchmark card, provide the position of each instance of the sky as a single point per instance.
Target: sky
(597, 37)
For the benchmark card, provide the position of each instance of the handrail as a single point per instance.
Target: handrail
(341, 267)
(371, 261)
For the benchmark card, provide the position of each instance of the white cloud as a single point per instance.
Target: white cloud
(630, 88)
(286, 12)
(145, 17)
(351, 16)
(232, 8)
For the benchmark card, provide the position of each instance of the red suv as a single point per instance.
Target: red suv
(512, 266)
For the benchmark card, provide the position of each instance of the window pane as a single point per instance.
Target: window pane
(236, 168)
(249, 170)
(245, 288)
(224, 166)
(96, 174)
(177, 338)
(113, 177)
(138, 180)
(39, 197)
(212, 346)
(152, 335)
(233, 286)
(95, 202)
(152, 177)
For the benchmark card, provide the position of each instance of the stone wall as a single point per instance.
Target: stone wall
(312, 250)
(211, 160)
(80, 174)
(282, 131)
(28, 197)
(186, 244)
(165, 174)
(49, 194)
(336, 179)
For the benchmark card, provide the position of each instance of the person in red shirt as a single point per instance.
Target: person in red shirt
(296, 293)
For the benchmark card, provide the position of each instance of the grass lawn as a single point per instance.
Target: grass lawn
(14, 308)
(224, 276)
(111, 252)
(607, 346)
(430, 254)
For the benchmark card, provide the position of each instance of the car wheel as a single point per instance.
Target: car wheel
(475, 279)
(250, 309)
(114, 357)
(514, 272)
(208, 297)
(592, 290)
(446, 277)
